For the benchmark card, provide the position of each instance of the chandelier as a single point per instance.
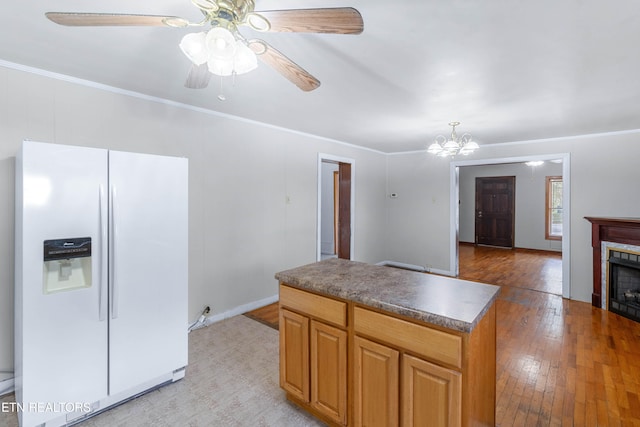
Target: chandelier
(444, 147)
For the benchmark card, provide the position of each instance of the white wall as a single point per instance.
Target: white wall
(241, 229)
(603, 183)
(418, 227)
(529, 227)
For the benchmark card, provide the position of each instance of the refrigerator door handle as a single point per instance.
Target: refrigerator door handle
(102, 262)
(112, 251)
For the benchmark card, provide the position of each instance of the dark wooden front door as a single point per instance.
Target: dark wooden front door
(495, 210)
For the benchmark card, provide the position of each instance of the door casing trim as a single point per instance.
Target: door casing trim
(454, 209)
(335, 159)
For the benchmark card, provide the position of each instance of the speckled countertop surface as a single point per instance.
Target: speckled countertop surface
(444, 301)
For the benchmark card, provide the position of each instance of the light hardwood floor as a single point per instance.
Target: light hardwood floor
(559, 362)
(520, 268)
(267, 315)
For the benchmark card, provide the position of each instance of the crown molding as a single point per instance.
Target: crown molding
(133, 94)
(138, 95)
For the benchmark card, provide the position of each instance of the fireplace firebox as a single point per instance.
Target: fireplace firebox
(624, 284)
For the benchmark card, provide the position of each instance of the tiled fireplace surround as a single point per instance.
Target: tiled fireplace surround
(617, 234)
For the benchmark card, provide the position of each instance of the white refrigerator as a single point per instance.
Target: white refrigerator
(101, 278)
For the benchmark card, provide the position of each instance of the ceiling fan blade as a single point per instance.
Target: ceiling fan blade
(198, 77)
(289, 69)
(114, 19)
(339, 20)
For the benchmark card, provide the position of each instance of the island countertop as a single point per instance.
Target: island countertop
(443, 301)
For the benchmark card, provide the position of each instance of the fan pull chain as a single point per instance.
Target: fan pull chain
(221, 96)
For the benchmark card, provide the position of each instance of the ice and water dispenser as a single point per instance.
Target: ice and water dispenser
(67, 264)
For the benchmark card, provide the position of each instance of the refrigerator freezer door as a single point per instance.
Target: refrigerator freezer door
(61, 343)
(148, 308)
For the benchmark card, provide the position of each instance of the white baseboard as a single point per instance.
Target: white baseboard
(442, 272)
(241, 309)
(403, 266)
(7, 386)
(414, 267)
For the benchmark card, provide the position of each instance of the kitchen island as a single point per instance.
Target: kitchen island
(362, 344)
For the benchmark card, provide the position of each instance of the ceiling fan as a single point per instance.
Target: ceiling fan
(222, 50)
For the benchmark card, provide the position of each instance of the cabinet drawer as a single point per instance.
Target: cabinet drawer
(324, 308)
(430, 343)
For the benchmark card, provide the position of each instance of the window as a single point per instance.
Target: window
(553, 208)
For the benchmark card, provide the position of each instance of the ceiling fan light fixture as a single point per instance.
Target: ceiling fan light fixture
(244, 60)
(194, 47)
(221, 44)
(220, 67)
(227, 55)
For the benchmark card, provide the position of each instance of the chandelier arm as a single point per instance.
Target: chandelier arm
(440, 139)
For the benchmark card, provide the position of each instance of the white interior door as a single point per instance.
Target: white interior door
(61, 339)
(149, 270)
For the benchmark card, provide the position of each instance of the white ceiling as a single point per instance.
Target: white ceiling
(509, 70)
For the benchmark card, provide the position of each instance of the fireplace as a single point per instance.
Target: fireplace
(623, 283)
(622, 234)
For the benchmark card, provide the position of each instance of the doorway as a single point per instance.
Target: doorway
(495, 211)
(335, 207)
(455, 212)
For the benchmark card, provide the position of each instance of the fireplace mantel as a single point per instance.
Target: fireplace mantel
(617, 230)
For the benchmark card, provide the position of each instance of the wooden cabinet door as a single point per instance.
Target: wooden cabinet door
(376, 374)
(294, 354)
(431, 395)
(329, 371)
